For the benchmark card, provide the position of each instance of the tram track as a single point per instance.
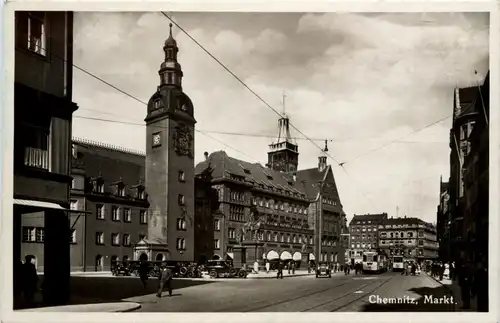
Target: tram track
(347, 294)
(254, 309)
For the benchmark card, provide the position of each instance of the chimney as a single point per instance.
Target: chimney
(206, 155)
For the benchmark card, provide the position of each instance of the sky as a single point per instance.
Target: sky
(366, 82)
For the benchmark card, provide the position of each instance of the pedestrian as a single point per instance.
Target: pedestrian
(143, 272)
(280, 271)
(165, 278)
(293, 267)
(29, 280)
(465, 283)
(268, 266)
(256, 267)
(289, 266)
(480, 287)
(441, 271)
(405, 269)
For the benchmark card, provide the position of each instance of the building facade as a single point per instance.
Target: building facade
(465, 114)
(443, 222)
(43, 110)
(363, 234)
(476, 183)
(411, 238)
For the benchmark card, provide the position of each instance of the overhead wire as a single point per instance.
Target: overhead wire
(134, 98)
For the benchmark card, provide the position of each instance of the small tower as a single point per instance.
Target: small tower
(283, 155)
(322, 159)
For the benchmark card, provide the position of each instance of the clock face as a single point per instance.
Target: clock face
(156, 139)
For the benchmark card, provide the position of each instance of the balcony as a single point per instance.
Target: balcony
(37, 158)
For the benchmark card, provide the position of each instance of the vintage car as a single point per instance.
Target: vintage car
(119, 268)
(221, 268)
(323, 270)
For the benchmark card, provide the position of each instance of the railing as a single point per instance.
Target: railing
(38, 158)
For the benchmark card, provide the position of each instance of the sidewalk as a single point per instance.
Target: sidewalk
(117, 307)
(273, 274)
(454, 289)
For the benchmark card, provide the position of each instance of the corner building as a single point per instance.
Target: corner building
(411, 238)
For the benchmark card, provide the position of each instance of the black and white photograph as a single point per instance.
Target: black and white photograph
(198, 161)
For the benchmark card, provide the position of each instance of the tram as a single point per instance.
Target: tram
(373, 262)
(397, 263)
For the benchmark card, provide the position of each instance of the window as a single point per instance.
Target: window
(181, 244)
(100, 187)
(99, 238)
(216, 244)
(100, 211)
(420, 233)
(180, 199)
(142, 237)
(181, 176)
(74, 205)
(217, 225)
(121, 191)
(36, 146)
(420, 242)
(352, 246)
(126, 239)
(29, 234)
(282, 237)
(72, 236)
(181, 224)
(115, 239)
(141, 194)
(231, 233)
(36, 33)
(115, 213)
(127, 215)
(142, 216)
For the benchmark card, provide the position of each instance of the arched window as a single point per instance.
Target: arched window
(143, 257)
(159, 257)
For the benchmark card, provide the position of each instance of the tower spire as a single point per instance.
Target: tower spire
(170, 70)
(284, 104)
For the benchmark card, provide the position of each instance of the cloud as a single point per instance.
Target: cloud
(358, 80)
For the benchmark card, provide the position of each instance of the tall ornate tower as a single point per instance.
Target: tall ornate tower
(283, 155)
(170, 164)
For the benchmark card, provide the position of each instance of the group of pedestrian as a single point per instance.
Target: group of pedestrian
(410, 267)
(26, 281)
(473, 282)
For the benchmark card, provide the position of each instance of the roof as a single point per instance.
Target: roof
(308, 179)
(404, 220)
(254, 174)
(368, 217)
(111, 163)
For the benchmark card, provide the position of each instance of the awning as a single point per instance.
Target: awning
(39, 204)
(285, 255)
(311, 257)
(297, 256)
(46, 205)
(230, 255)
(271, 255)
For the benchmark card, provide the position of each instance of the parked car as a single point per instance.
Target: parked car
(323, 270)
(119, 268)
(220, 268)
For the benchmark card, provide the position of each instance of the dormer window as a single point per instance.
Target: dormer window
(97, 185)
(141, 194)
(121, 190)
(156, 104)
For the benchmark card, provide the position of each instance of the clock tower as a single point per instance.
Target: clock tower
(170, 165)
(283, 155)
